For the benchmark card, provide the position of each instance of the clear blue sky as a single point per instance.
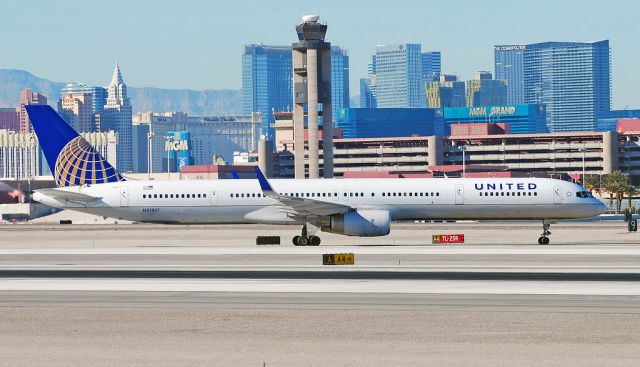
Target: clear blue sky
(197, 43)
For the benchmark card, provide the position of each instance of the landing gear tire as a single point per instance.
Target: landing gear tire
(295, 240)
(301, 241)
(314, 241)
(544, 237)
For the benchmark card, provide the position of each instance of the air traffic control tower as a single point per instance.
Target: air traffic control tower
(312, 89)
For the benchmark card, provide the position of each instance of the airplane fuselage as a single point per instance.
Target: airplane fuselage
(242, 201)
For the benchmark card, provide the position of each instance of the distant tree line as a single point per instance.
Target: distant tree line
(617, 184)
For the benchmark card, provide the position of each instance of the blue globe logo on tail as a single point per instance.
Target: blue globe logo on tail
(71, 158)
(79, 163)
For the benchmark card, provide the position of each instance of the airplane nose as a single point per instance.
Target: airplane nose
(600, 207)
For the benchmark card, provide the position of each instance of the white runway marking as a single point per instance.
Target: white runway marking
(337, 286)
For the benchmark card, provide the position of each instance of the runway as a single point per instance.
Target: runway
(311, 329)
(207, 295)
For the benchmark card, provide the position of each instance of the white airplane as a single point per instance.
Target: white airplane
(353, 207)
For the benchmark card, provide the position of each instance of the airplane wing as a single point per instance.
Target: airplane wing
(302, 207)
(61, 195)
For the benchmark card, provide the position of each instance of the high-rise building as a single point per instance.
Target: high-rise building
(98, 94)
(77, 110)
(28, 97)
(368, 86)
(572, 79)
(266, 82)
(117, 116)
(312, 60)
(9, 119)
(399, 76)
(485, 91)
(339, 81)
(445, 92)
(367, 100)
(509, 66)
(431, 65)
(210, 136)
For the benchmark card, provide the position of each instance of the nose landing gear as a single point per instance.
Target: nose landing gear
(305, 239)
(544, 237)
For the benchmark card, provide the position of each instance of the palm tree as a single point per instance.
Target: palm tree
(592, 182)
(630, 191)
(615, 184)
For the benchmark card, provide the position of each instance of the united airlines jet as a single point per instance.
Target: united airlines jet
(86, 182)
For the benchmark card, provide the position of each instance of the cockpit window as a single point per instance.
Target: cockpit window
(584, 194)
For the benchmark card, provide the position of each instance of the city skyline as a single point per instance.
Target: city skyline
(201, 30)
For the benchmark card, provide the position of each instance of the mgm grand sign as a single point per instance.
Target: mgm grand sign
(492, 111)
(176, 145)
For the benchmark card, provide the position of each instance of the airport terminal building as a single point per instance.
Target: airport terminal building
(598, 153)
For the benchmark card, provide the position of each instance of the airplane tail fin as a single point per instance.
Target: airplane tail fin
(72, 160)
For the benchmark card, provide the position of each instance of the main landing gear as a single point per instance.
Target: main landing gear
(305, 239)
(544, 237)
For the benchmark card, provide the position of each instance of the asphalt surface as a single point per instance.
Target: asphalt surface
(146, 295)
(323, 275)
(310, 329)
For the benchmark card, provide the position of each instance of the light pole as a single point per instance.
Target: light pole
(150, 136)
(28, 188)
(168, 147)
(463, 149)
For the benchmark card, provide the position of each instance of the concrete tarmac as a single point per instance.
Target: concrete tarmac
(149, 295)
(406, 234)
(231, 329)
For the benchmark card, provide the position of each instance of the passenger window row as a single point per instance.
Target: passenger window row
(247, 195)
(334, 194)
(411, 194)
(173, 196)
(508, 193)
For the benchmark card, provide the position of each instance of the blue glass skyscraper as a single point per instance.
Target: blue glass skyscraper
(266, 82)
(509, 66)
(368, 86)
(400, 82)
(431, 65)
(339, 81)
(572, 79)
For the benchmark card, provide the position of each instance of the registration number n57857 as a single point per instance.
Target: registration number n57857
(150, 210)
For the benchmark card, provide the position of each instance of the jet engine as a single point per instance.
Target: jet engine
(364, 223)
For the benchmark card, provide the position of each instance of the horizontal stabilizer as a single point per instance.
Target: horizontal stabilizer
(62, 195)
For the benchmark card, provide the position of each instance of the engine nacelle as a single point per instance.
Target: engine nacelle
(364, 223)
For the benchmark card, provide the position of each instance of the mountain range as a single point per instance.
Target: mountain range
(193, 102)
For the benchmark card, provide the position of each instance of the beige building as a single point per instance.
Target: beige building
(77, 110)
(549, 153)
(597, 153)
(28, 97)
